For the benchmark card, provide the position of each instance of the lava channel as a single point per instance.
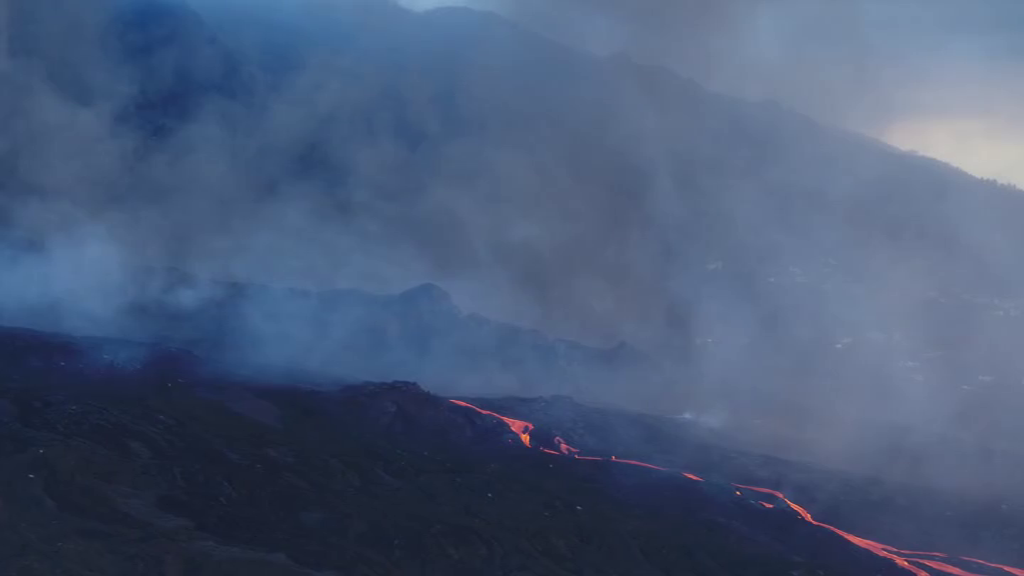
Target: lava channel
(902, 558)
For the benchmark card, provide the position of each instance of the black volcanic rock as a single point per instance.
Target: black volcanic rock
(154, 469)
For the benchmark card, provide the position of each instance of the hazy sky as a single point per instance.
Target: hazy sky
(942, 77)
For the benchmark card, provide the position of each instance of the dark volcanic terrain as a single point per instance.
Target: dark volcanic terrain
(120, 458)
(784, 286)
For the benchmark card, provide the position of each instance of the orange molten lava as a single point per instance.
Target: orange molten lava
(1010, 569)
(879, 549)
(635, 463)
(900, 557)
(521, 428)
(565, 448)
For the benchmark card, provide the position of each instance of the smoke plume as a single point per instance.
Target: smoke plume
(803, 285)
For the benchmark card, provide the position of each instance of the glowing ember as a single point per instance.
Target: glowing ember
(900, 557)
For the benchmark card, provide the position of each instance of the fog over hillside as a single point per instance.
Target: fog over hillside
(799, 284)
(938, 76)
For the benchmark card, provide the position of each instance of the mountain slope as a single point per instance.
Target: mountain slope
(416, 335)
(117, 467)
(861, 288)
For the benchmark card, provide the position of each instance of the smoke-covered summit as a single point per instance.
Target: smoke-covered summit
(793, 275)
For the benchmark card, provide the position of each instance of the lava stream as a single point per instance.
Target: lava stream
(522, 429)
(1010, 569)
(900, 557)
(874, 547)
(565, 448)
(635, 463)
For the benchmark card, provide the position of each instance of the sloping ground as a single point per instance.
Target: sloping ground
(906, 516)
(124, 459)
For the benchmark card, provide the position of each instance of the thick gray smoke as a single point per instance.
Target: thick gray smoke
(939, 76)
(807, 286)
(240, 142)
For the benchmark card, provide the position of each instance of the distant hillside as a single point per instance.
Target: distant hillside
(117, 458)
(796, 276)
(340, 336)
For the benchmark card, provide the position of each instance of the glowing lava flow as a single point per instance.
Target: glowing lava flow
(522, 429)
(1010, 569)
(899, 557)
(874, 547)
(565, 448)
